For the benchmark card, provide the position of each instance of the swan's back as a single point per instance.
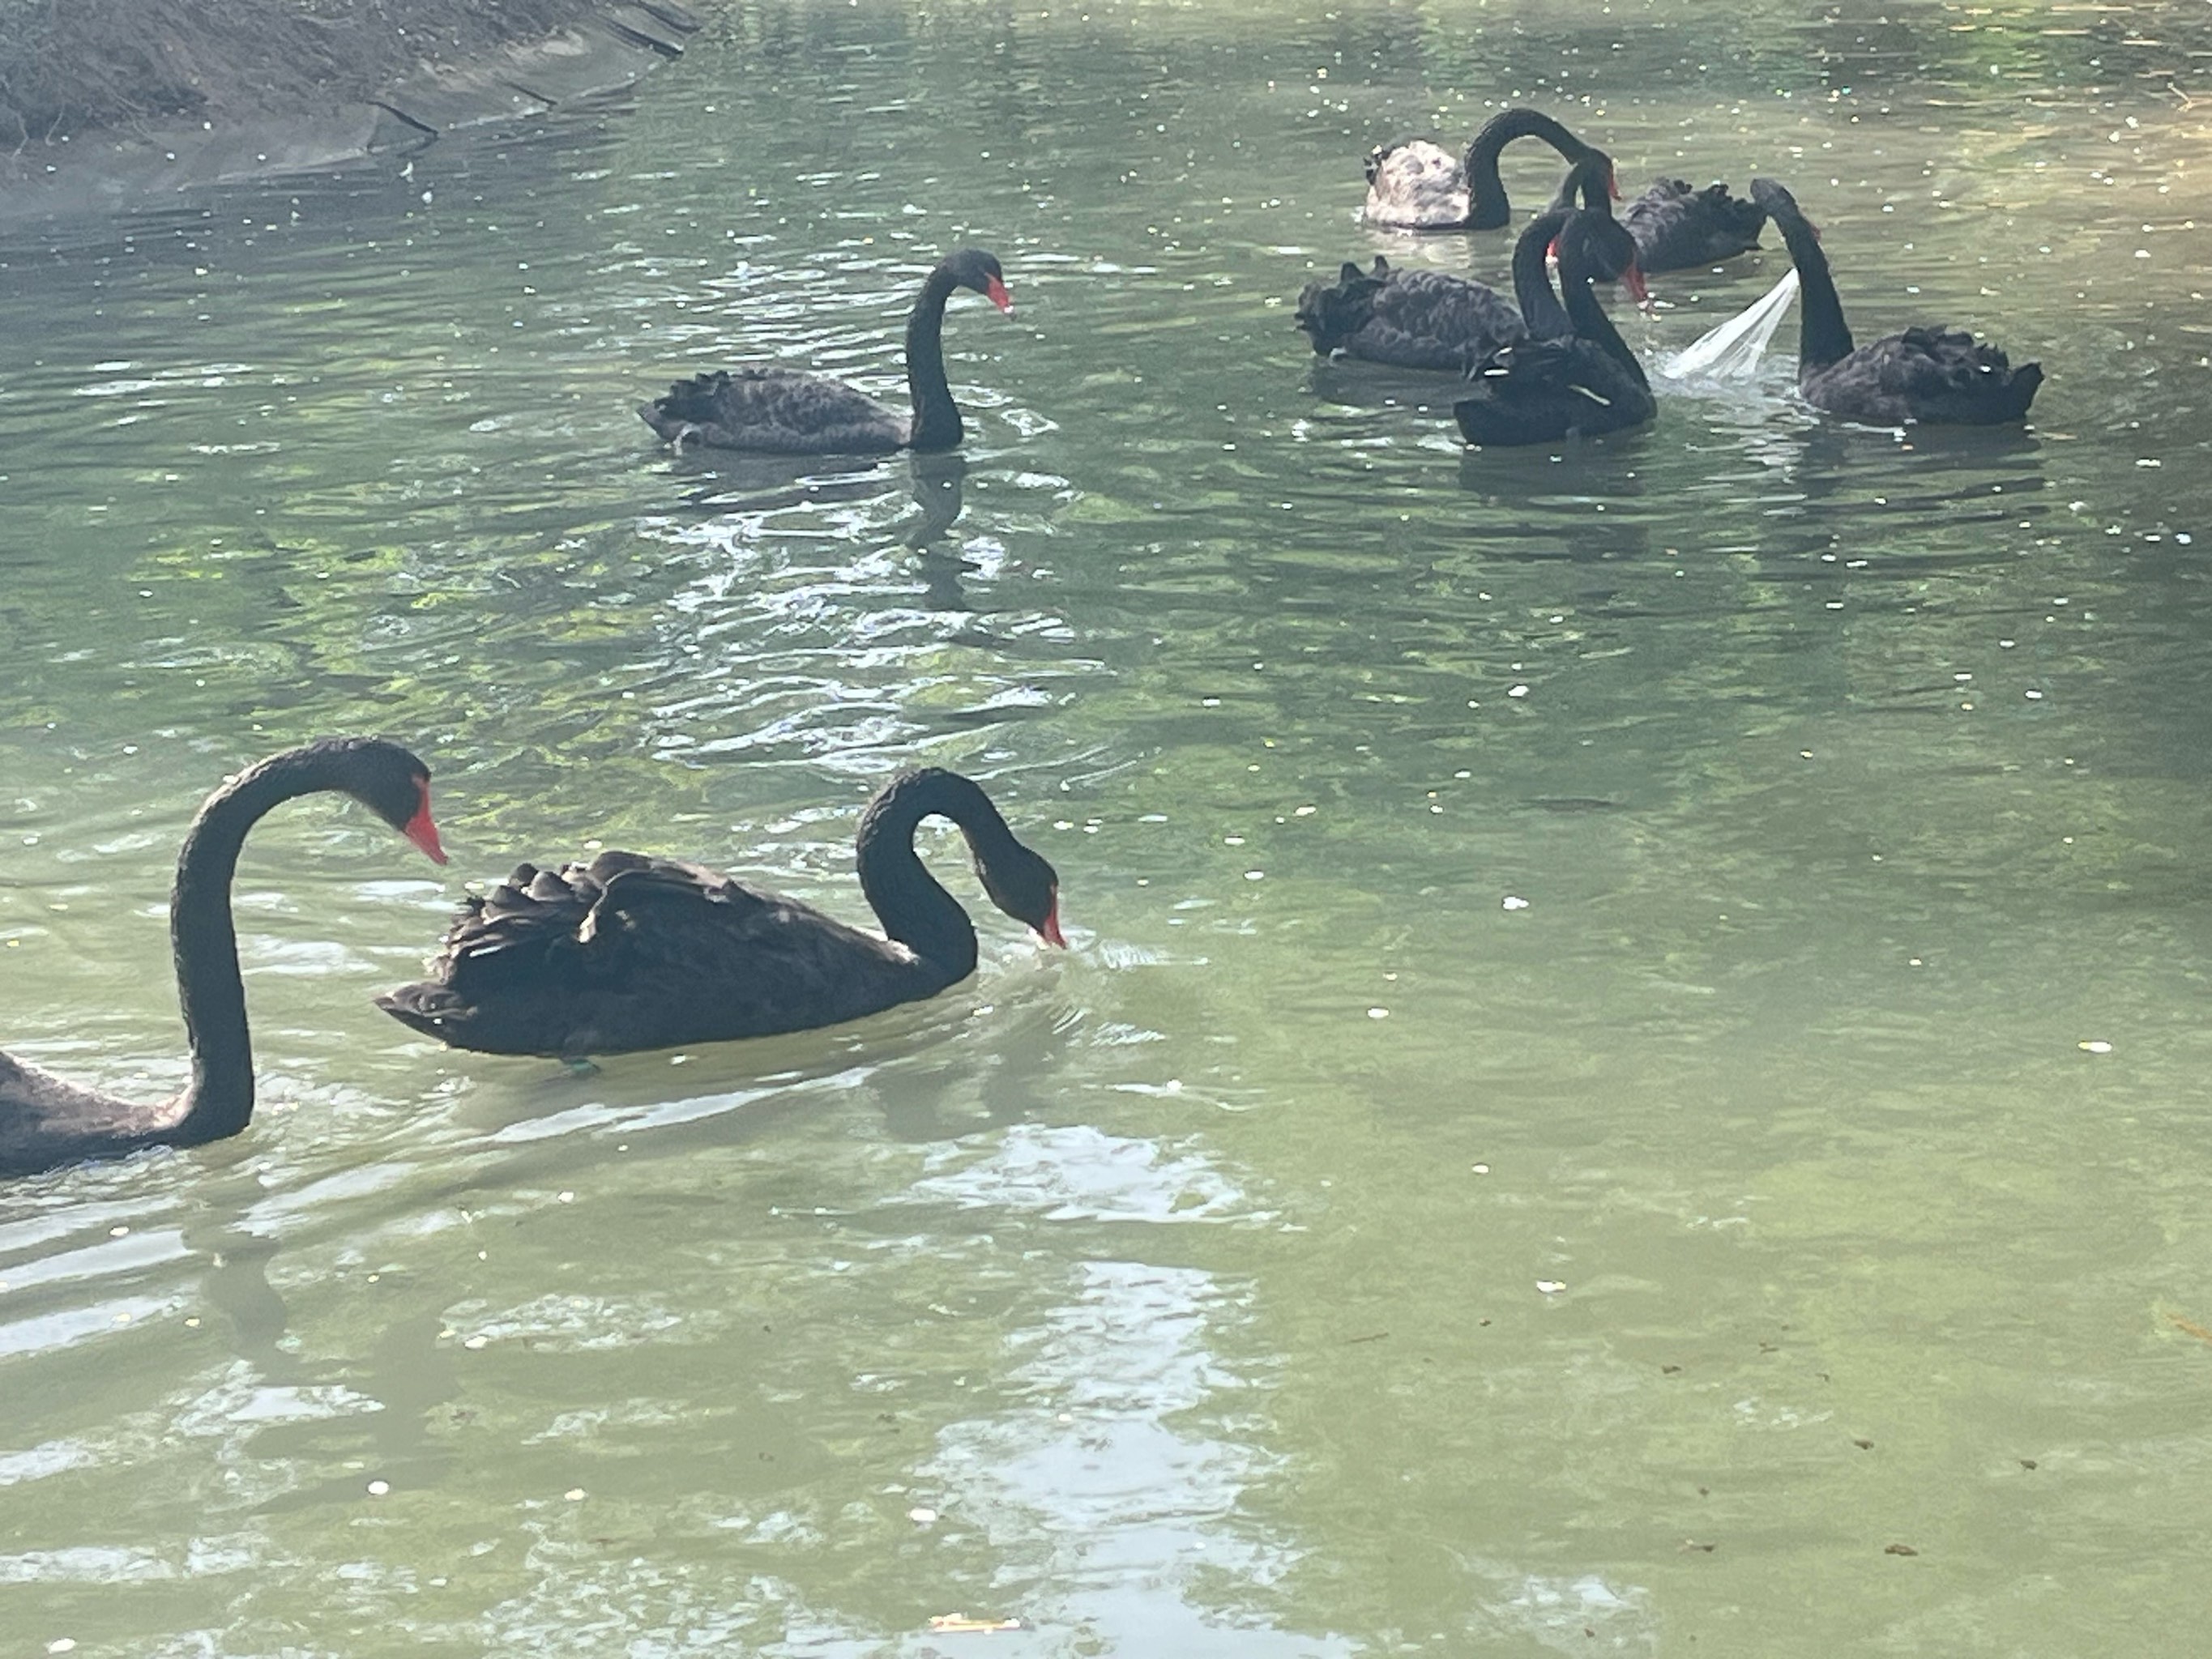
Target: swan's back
(1408, 319)
(46, 1121)
(1938, 375)
(1677, 228)
(1415, 185)
(629, 952)
(776, 412)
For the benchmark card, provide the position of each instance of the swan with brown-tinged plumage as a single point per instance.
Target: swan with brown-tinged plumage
(783, 411)
(46, 1121)
(631, 952)
(1414, 184)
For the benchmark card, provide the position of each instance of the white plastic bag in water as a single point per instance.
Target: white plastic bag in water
(1732, 351)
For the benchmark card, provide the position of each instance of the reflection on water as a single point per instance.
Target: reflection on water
(1635, 1036)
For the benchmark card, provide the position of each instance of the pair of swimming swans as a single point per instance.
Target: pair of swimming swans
(1413, 185)
(624, 953)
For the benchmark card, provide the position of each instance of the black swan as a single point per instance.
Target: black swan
(783, 411)
(1923, 375)
(46, 1123)
(1414, 185)
(1434, 319)
(1540, 391)
(630, 952)
(1678, 228)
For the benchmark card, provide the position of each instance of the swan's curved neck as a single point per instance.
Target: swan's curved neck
(936, 416)
(1541, 310)
(1823, 336)
(906, 899)
(218, 1101)
(1588, 316)
(1487, 205)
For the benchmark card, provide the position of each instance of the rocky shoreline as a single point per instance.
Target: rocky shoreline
(199, 96)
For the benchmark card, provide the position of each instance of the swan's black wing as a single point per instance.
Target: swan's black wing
(1409, 319)
(1677, 228)
(1941, 376)
(776, 412)
(1414, 184)
(1433, 319)
(1544, 391)
(631, 952)
(1948, 376)
(46, 1121)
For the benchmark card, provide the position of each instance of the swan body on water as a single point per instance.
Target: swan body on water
(1936, 375)
(631, 952)
(784, 412)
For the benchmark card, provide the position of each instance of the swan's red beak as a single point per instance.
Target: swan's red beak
(1612, 184)
(1632, 280)
(999, 296)
(1048, 929)
(421, 830)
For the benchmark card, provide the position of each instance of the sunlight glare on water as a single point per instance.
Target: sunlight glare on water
(1631, 1075)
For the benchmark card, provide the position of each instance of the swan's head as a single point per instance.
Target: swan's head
(1026, 887)
(388, 781)
(1601, 167)
(1604, 249)
(971, 267)
(1589, 179)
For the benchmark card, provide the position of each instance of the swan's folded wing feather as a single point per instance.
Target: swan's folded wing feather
(1522, 395)
(1540, 391)
(775, 410)
(1935, 374)
(1433, 320)
(1532, 365)
(579, 924)
(1663, 194)
(774, 963)
(47, 1120)
(633, 952)
(1946, 374)
(1675, 226)
(1670, 197)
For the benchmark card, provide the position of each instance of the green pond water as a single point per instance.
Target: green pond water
(1632, 1074)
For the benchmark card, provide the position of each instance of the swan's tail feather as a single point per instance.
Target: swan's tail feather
(1740, 217)
(688, 406)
